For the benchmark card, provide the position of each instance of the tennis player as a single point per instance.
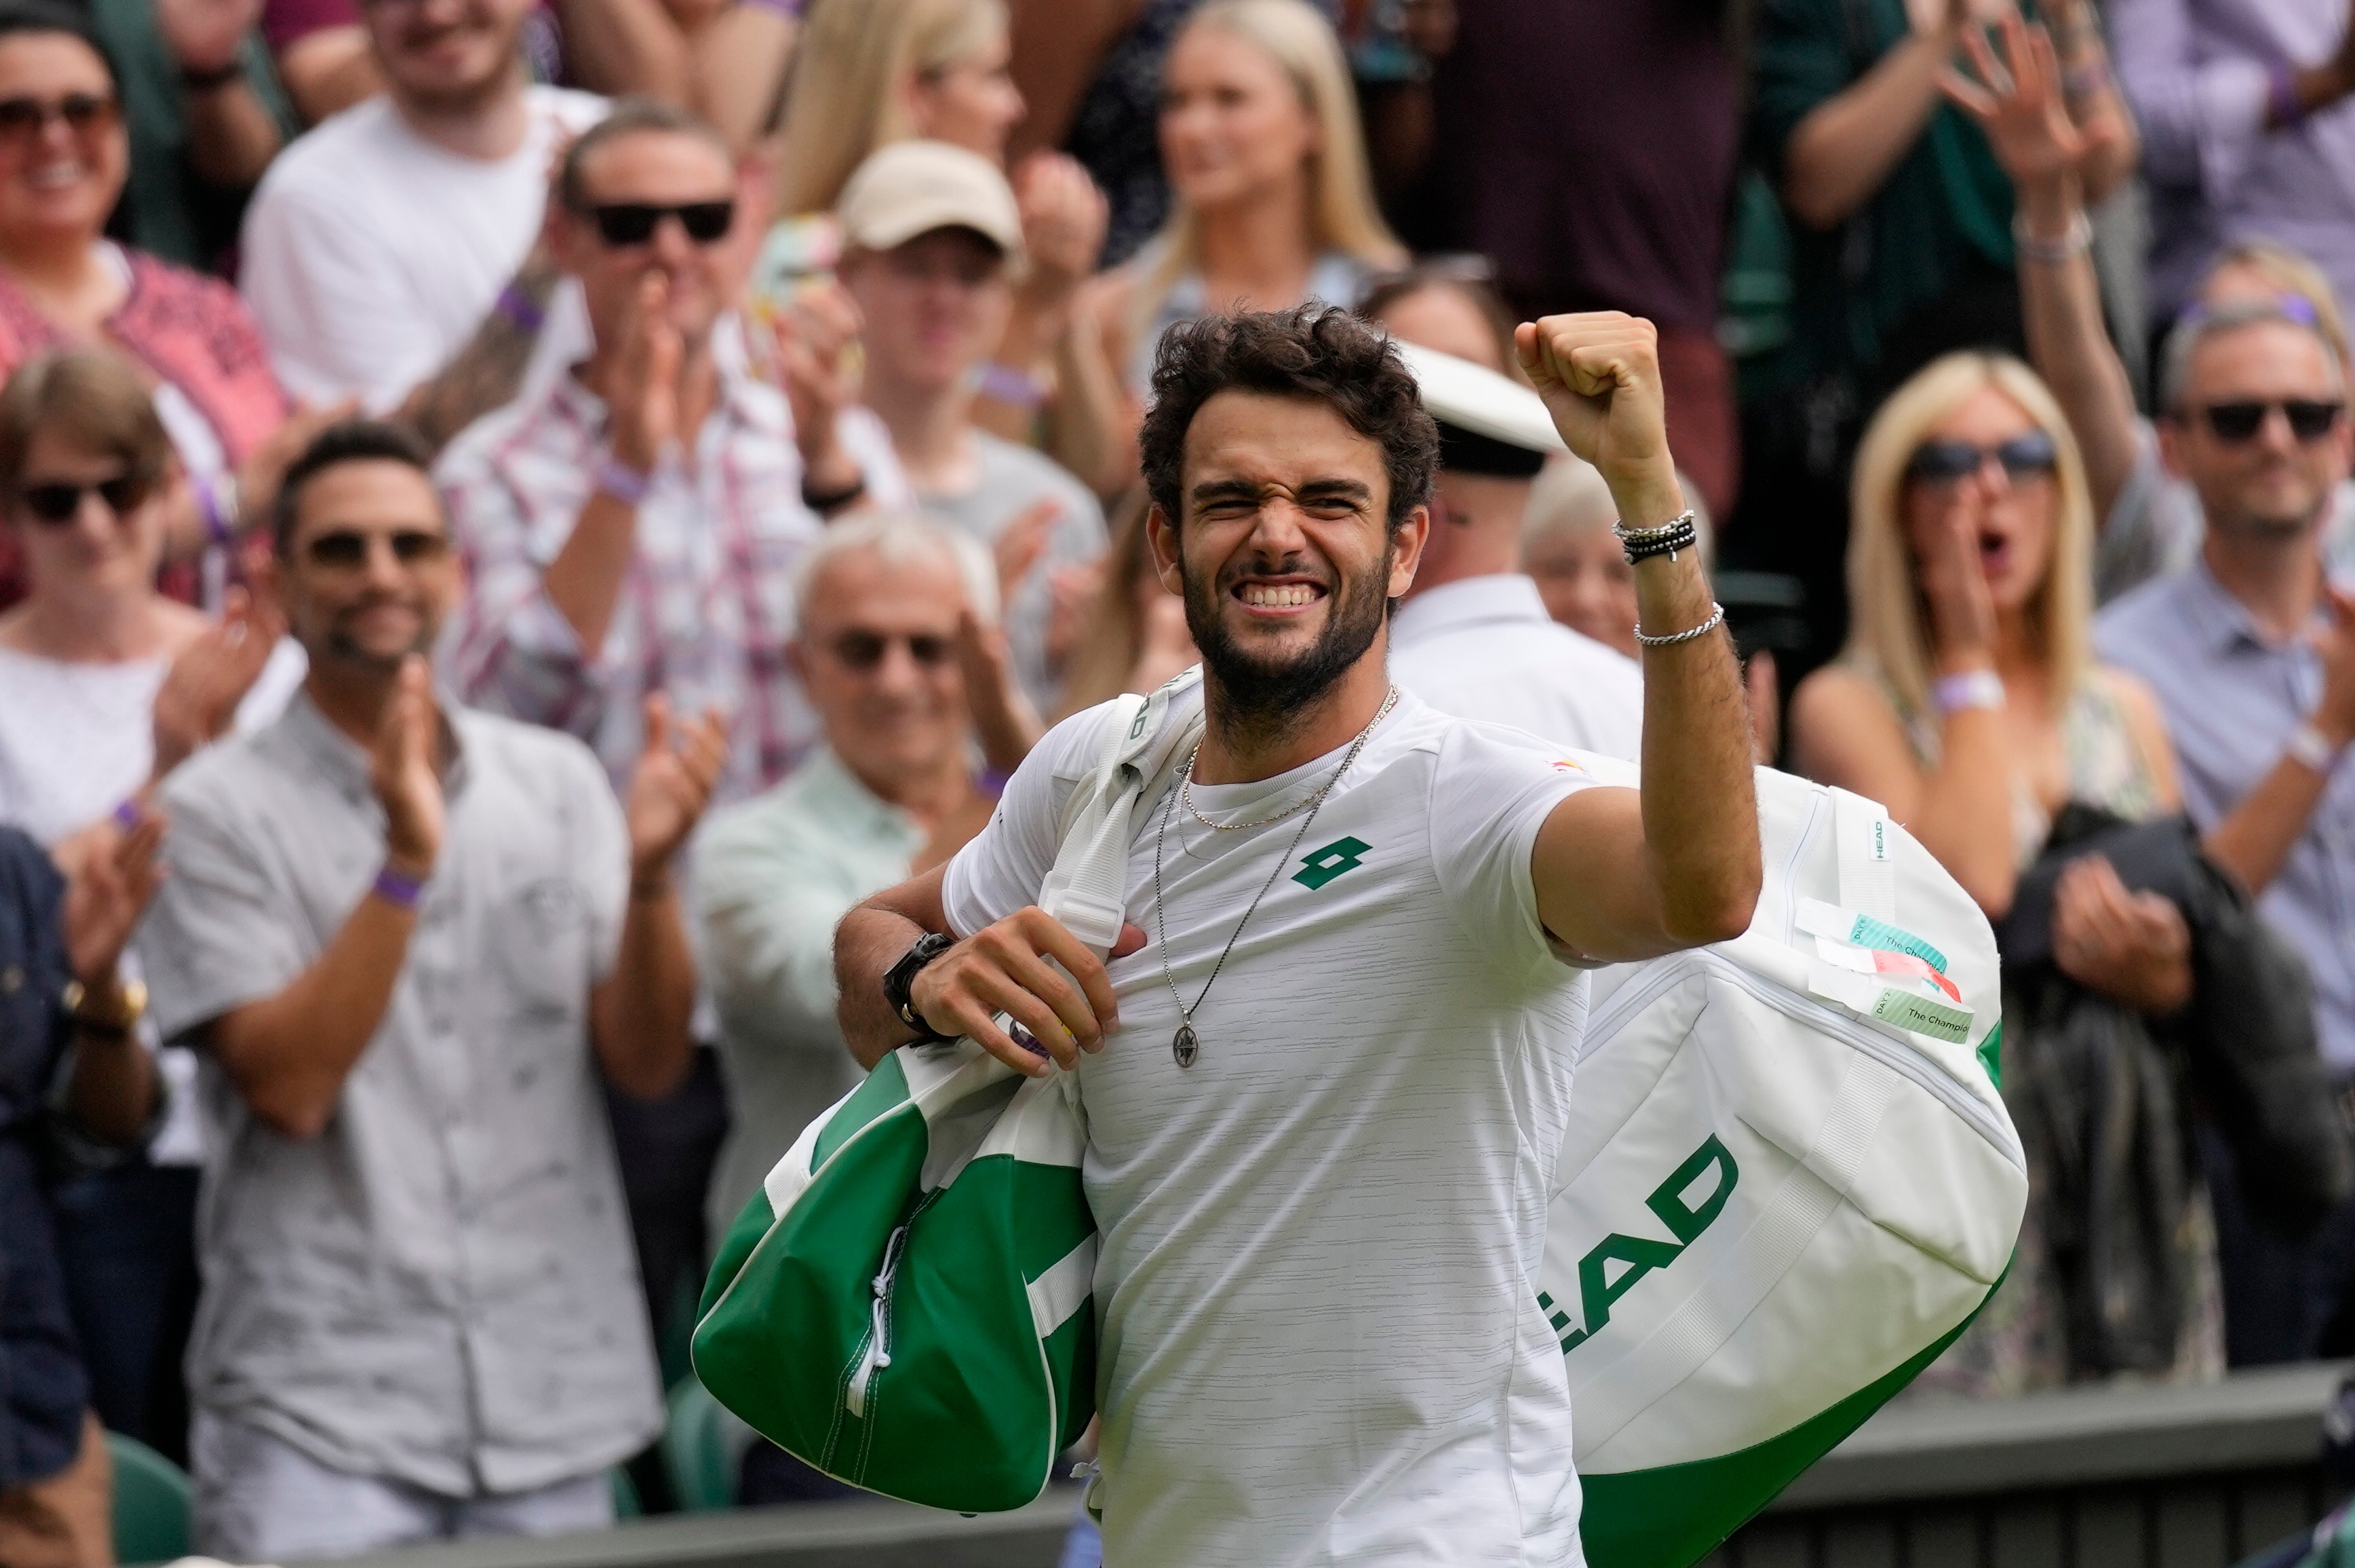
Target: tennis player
(1324, 1075)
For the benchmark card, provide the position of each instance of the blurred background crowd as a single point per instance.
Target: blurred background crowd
(518, 512)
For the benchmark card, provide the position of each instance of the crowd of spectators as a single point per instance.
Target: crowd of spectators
(518, 514)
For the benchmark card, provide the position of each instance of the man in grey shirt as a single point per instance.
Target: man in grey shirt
(396, 930)
(2250, 650)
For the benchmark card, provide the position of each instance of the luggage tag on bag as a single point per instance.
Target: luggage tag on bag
(1857, 957)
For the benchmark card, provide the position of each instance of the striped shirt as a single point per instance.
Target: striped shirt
(707, 607)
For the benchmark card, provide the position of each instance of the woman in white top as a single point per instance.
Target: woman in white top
(1273, 206)
(108, 683)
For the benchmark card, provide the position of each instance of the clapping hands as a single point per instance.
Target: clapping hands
(677, 770)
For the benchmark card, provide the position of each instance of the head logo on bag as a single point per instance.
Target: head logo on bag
(1597, 1290)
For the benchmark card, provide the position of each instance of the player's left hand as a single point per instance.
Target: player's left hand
(1599, 373)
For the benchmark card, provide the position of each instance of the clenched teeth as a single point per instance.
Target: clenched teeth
(1278, 595)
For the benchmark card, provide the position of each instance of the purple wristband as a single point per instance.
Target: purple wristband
(1017, 388)
(622, 482)
(401, 892)
(218, 527)
(2281, 95)
(127, 815)
(525, 311)
(789, 9)
(993, 781)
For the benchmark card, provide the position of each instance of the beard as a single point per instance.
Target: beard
(1264, 697)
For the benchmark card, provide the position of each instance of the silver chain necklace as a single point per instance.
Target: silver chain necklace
(1186, 1045)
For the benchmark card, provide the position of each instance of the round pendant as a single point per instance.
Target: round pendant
(1186, 1045)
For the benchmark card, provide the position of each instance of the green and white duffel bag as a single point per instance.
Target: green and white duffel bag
(1789, 1180)
(906, 1304)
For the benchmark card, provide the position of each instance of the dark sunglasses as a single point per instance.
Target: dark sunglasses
(347, 550)
(56, 502)
(633, 222)
(864, 651)
(2237, 423)
(1952, 461)
(23, 119)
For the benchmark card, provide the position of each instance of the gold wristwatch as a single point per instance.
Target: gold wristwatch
(134, 1007)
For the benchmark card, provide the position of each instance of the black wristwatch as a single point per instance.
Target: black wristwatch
(900, 979)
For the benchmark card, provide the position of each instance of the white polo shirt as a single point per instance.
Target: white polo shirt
(1318, 1333)
(1484, 648)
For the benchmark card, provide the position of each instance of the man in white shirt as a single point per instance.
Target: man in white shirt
(933, 241)
(376, 245)
(1323, 1103)
(1472, 637)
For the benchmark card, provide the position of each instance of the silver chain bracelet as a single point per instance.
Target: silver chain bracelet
(1717, 617)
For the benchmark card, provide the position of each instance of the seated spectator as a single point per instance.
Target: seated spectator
(604, 562)
(1132, 632)
(62, 282)
(2150, 520)
(109, 684)
(1968, 702)
(2247, 130)
(61, 944)
(1275, 206)
(891, 793)
(2252, 651)
(1471, 636)
(388, 255)
(934, 239)
(1567, 547)
(1901, 237)
(405, 934)
(880, 71)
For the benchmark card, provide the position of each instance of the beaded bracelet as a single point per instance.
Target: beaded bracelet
(1642, 544)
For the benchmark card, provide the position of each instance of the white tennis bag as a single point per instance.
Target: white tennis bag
(1788, 1182)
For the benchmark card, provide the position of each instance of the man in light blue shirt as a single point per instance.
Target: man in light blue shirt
(892, 792)
(2251, 652)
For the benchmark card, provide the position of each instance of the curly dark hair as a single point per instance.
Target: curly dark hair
(1315, 351)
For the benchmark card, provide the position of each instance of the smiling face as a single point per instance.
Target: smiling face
(97, 553)
(934, 307)
(1285, 557)
(58, 180)
(658, 168)
(368, 604)
(2014, 515)
(447, 55)
(877, 652)
(1233, 125)
(1583, 577)
(2273, 481)
(971, 103)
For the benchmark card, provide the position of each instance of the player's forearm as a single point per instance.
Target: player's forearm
(870, 939)
(1700, 812)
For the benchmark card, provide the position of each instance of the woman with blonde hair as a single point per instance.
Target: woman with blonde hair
(1969, 703)
(1274, 205)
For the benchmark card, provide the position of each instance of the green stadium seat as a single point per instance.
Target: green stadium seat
(702, 1446)
(152, 1503)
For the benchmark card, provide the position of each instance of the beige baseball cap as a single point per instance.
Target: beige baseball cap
(913, 188)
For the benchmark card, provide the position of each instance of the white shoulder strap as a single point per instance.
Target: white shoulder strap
(1087, 889)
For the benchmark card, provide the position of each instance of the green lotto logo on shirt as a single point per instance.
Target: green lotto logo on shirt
(1319, 867)
(1598, 1287)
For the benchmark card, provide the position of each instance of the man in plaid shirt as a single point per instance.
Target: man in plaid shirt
(636, 527)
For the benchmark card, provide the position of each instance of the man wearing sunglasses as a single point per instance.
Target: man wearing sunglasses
(637, 523)
(2250, 650)
(405, 936)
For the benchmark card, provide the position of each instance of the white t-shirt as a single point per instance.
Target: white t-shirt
(1484, 648)
(76, 738)
(1318, 1330)
(372, 255)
